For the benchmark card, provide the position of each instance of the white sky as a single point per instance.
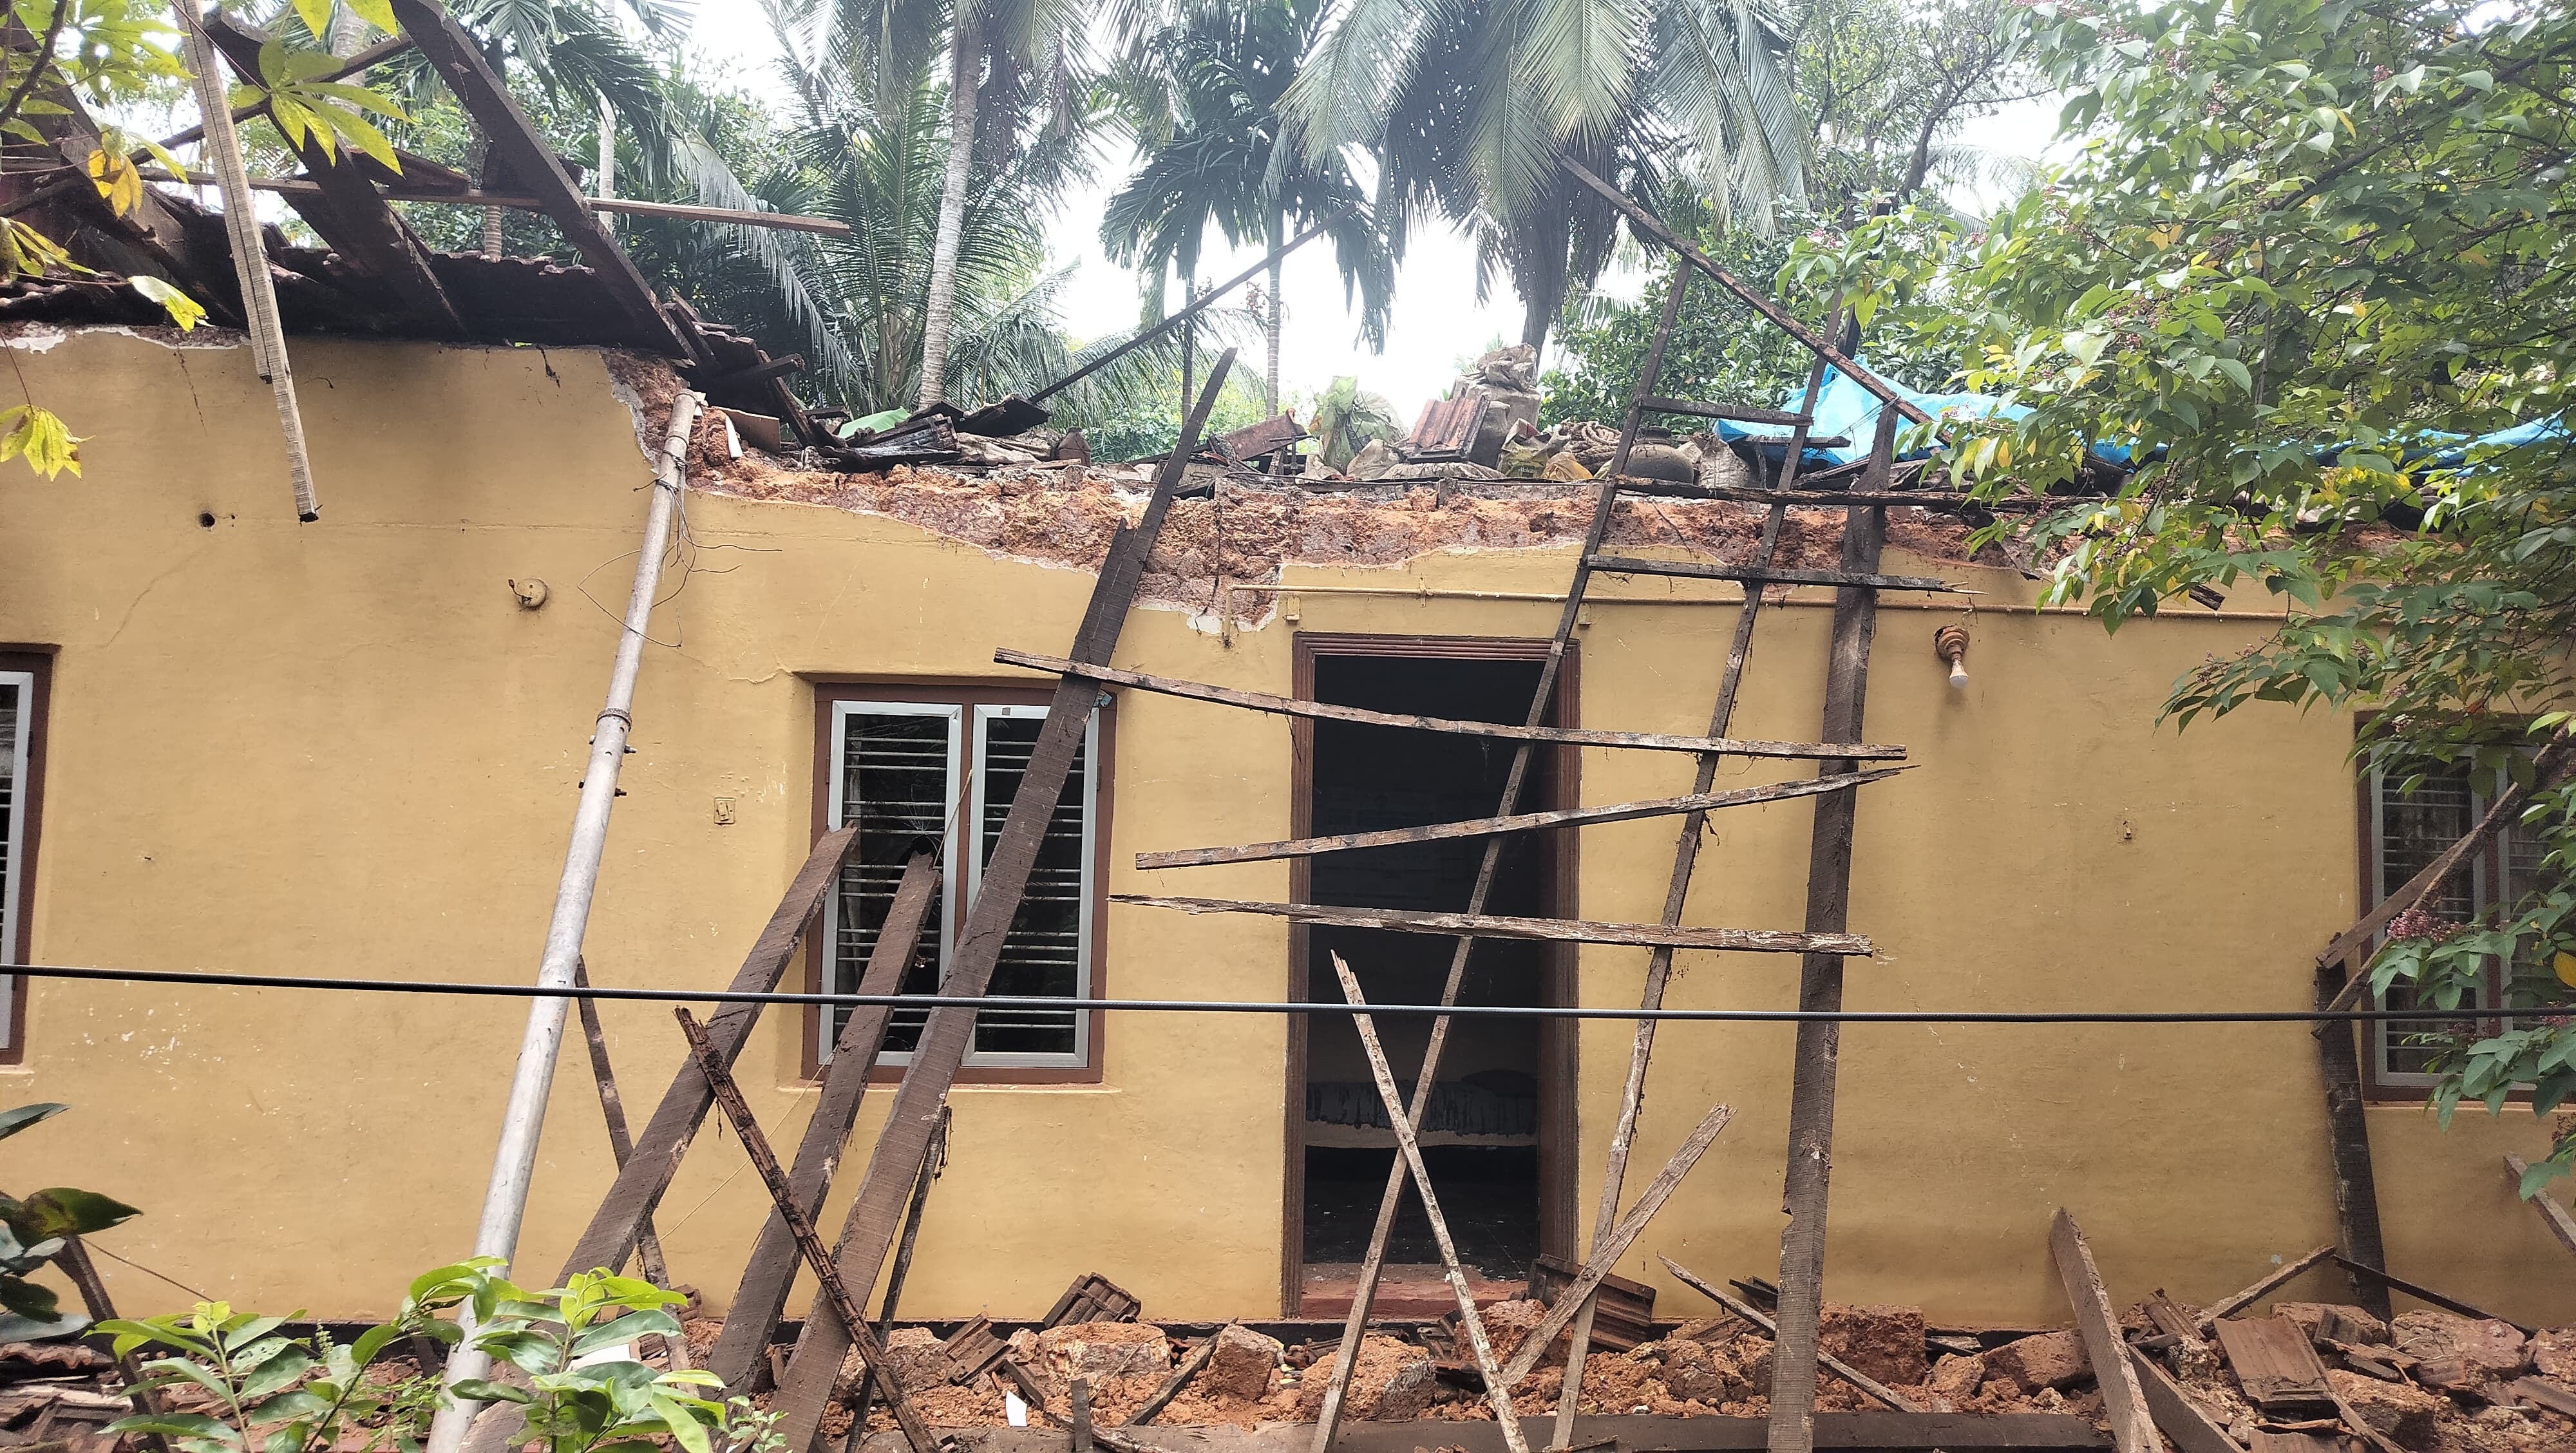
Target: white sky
(1436, 320)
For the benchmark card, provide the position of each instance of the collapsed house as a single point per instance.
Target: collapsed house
(1304, 746)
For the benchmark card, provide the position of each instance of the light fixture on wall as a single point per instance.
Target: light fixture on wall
(1950, 643)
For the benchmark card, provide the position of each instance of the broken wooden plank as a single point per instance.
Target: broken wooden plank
(972, 1350)
(2271, 1282)
(1093, 1298)
(1644, 1434)
(1554, 930)
(1181, 1377)
(2555, 1396)
(755, 1144)
(770, 1274)
(1623, 1310)
(2182, 1420)
(1498, 1385)
(875, 1213)
(1517, 822)
(1613, 1244)
(1561, 736)
(1835, 1365)
(1769, 574)
(1807, 1178)
(2274, 1361)
(2133, 1426)
(517, 144)
(2426, 1294)
(344, 206)
(621, 1148)
(2172, 1319)
(931, 1166)
(2554, 1215)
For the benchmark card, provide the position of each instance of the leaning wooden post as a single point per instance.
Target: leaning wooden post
(2133, 1426)
(1497, 1391)
(876, 1212)
(621, 1148)
(250, 252)
(931, 1166)
(756, 1145)
(1820, 981)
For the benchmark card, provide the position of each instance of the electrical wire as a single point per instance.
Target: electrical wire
(1254, 1006)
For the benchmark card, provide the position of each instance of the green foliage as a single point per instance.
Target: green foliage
(1151, 423)
(301, 1395)
(1720, 349)
(2305, 247)
(36, 1230)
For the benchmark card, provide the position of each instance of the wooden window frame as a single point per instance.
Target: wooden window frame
(2486, 867)
(966, 694)
(20, 839)
(1559, 1086)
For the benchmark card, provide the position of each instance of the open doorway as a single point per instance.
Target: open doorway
(1497, 1133)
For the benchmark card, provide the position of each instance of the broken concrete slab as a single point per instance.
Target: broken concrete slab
(2406, 1416)
(2050, 1359)
(2492, 1347)
(1880, 1342)
(1242, 1364)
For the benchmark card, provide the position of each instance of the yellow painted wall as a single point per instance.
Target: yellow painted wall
(344, 749)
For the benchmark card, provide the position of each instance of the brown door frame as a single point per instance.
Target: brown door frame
(1557, 1040)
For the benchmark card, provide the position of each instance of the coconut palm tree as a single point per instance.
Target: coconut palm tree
(1469, 106)
(1201, 92)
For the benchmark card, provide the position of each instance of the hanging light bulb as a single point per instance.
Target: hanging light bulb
(1950, 643)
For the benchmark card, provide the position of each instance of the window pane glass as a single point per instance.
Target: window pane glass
(2415, 828)
(895, 786)
(1042, 955)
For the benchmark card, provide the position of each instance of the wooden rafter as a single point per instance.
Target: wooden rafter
(522, 150)
(345, 207)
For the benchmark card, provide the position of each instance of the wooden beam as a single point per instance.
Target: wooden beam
(520, 147)
(1806, 1182)
(1181, 1377)
(1921, 499)
(2270, 1282)
(2425, 1294)
(1702, 1434)
(1518, 822)
(345, 208)
(1498, 1385)
(640, 1184)
(1738, 413)
(755, 1144)
(2554, 1215)
(1769, 574)
(1755, 1315)
(291, 188)
(770, 1274)
(621, 1147)
(2356, 1180)
(1646, 222)
(1203, 301)
(2133, 1426)
(875, 1212)
(2175, 1413)
(1607, 1249)
(1553, 930)
(1562, 736)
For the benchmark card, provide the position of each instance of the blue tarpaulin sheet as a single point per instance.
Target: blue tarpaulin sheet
(1848, 411)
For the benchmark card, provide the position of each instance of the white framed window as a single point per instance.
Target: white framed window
(945, 770)
(17, 792)
(2409, 829)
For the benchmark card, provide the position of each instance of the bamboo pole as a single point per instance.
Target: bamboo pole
(505, 1199)
(250, 254)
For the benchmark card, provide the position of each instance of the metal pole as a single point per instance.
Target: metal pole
(505, 1202)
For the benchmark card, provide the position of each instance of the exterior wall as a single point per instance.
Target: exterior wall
(344, 749)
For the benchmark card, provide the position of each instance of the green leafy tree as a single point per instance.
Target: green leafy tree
(2306, 252)
(1201, 93)
(1467, 111)
(35, 1231)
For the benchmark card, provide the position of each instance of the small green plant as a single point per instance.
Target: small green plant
(34, 1231)
(586, 1391)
